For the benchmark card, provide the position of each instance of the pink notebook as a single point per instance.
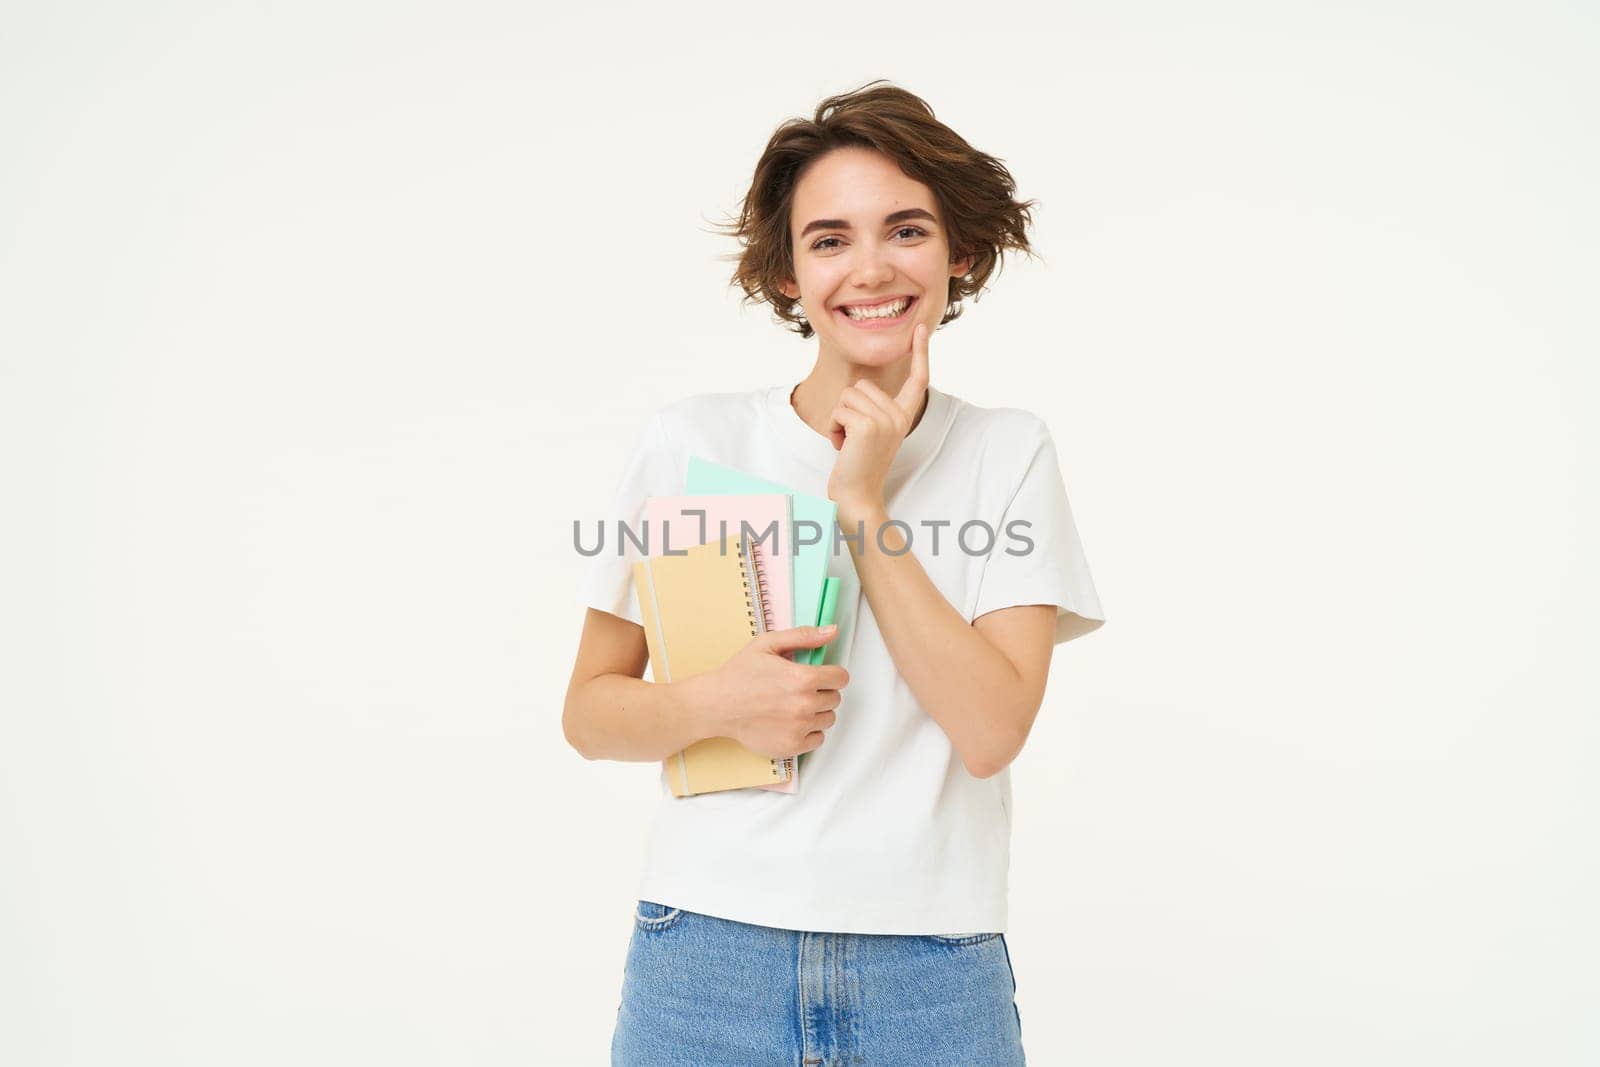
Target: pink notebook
(675, 522)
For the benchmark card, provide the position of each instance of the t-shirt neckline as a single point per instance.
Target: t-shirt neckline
(817, 451)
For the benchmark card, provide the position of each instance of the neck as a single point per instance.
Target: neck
(818, 394)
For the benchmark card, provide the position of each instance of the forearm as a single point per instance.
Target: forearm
(959, 678)
(619, 717)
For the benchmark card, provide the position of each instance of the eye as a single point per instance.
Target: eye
(917, 231)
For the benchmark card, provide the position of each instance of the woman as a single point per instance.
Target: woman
(860, 919)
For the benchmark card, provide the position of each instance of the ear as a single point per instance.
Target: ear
(790, 289)
(962, 266)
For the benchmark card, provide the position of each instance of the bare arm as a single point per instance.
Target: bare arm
(982, 682)
(611, 712)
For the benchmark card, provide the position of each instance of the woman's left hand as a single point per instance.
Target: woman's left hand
(868, 428)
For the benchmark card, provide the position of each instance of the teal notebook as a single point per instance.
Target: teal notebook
(810, 561)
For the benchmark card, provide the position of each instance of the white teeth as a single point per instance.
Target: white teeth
(887, 311)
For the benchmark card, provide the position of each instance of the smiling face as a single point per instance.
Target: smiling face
(866, 236)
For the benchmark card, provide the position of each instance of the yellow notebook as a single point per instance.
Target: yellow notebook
(698, 609)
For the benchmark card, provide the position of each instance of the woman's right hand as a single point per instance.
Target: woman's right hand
(766, 701)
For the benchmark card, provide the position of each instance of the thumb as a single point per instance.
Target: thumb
(797, 637)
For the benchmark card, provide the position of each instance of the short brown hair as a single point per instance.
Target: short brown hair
(975, 194)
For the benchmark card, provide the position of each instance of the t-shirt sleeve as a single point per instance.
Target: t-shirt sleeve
(652, 470)
(1037, 557)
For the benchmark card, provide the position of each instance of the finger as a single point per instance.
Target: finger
(857, 399)
(846, 422)
(828, 675)
(910, 396)
(897, 416)
(851, 418)
(836, 431)
(824, 699)
(836, 424)
(798, 637)
(824, 720)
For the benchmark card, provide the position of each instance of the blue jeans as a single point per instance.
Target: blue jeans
(716, 993)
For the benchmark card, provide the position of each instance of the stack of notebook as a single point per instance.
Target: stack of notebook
(734, 557)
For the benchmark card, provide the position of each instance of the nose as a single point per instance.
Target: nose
(871, 266)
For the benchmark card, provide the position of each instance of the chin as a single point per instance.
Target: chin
(874, 352)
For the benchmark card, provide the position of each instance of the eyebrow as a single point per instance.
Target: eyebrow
(841, 224)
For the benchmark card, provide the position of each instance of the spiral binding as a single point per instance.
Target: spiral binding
(751, 562)
(758, 565)
(746, 565)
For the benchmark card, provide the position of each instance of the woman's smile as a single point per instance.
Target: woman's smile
(879, 321)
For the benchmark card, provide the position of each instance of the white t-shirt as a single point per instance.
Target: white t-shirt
(887, 833)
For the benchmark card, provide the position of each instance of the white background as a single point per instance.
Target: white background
(319, 323)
